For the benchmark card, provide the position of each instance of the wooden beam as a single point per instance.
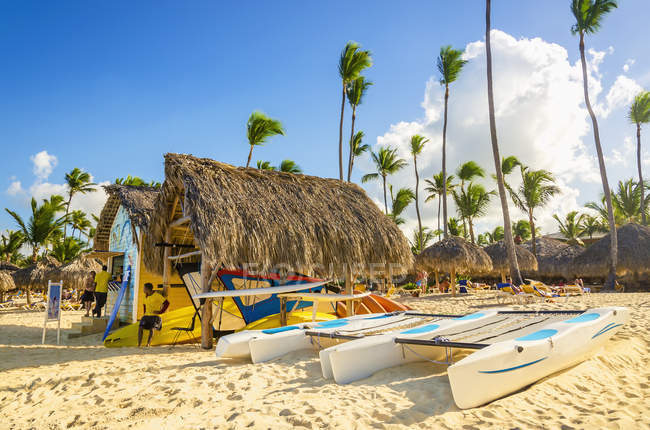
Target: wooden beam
(180, 256)
(173, 211)
(180, 221)
(206, 315)
(283, 311)
(349, 304)
(167, 267)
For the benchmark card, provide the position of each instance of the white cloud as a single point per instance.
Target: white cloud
(44, 164)
(620, 95)
(630, 62)
(541, 119)
(626, 156)
(15, 188)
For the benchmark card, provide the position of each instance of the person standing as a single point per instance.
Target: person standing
(88, 296)
(101, 291)
(154, 306)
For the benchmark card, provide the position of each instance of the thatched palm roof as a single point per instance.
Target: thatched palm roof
(499, 257)
(245, 215)
(454, 254)
(553, 257)
(7, 266)
(75, 274)
(36, 275)
(6, 281)
(633, 253)
(137, 201)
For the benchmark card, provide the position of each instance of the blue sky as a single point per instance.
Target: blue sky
(111, 86)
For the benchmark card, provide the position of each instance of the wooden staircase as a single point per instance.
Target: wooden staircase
(89, 326)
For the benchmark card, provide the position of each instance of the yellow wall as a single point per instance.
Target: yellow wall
(177, 296)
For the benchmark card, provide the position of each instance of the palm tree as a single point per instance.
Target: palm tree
(387, 163)
(357, 148)
(421, 240)
(436, 188)
(591, 225)
(351, 63)
(498, 233)
(417, 144)
(571, 227)
(508, 165)
(136, 181)
(289, 166)
(402, 199)
(78, 182)
(68, 249)
(355, 92)
(627, 202)
(472, 203)
(455, 228)
(450, 63)
(12, 240)
(588, 15)
(79, 222)
(258, 129)
(508, 240)
(536, 189)
(522, 230)
(467, 172)
(264, 165)
(640, 114)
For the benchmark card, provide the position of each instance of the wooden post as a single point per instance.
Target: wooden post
(283, 311)
(452, 281)
(349, 304)
(503, 276)
(206, 314)
(167, 266)
(437, 280)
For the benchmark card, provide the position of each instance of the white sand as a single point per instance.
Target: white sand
(83, 385)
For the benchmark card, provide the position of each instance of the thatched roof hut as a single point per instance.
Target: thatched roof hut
(633, 253)
(499, 256)
(237, 216)
(137, 201)
(75, 274)
(6, 281)
(553, 257)
(36, 275)
(7, 266)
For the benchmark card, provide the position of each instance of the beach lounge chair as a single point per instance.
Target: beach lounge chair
(507, 292)
(187, 330)
(6, 304)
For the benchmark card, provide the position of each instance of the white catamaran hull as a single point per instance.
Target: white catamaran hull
(507, 366)
(361, 358)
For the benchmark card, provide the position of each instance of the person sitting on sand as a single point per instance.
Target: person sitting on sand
(88, 296)
(154, 305)
(444, 286)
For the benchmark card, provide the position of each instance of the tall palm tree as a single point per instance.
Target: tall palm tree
(79, 222)
(521, 229)
(68, 249)
(455, 227)
(264, 165)
(289, 166)
(351, 63)
(640, 114)
(450, 63)
(136, 181)
(536, 189)
(588, 15)
(78, 183)
(467, 172)
(355, 92)
(571, 227)
(436, 188)
(591, 225)
(627, 201)
(417, 144)
(421, 240)
(472, 203)
(258, 129)
(402, 199)
(357, 148)
(12, 240)
(507, 227)
(387, 163)
(508, 165)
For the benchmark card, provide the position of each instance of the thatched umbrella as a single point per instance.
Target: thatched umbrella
(7, 266)
(36, 275)
(453, 255)
(552, 257)
(500, 263)
(633, 253)
(6, 283)
(75, 273)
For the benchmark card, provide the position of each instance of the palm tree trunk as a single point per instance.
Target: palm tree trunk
(250, 154)
(611, 277)
(351, 155)
(417, 206)
(471, 229)
(638, 163)
(531, 221)
(444, 164)
(507, 226)
(462, 217)
(341, 135)
(67, 209)
(439, 201)
(385, 201)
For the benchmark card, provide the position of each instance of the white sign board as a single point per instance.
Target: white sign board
(53, 308)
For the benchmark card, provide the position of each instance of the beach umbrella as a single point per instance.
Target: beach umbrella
(454, 255)
(499, 256)
(6, 284)
(633, 254)
(36, 275)
(8, 267)
(75, 273)
(553, 257)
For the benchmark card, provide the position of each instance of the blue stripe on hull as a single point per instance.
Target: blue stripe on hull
(512, 368)
(605, 329)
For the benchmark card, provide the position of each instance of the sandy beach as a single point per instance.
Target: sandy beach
(83, 385)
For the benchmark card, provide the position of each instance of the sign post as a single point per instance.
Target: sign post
(53, 308)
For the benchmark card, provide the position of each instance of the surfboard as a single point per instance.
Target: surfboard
(118, 301)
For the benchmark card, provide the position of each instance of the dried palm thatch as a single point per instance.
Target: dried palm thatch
(553, 256)
(35, 277)
(499, 257)
(6, 281)
(137, 201)
(75, 274)
(633, 253)
(248, 216)
(7, 266)
(454, 254)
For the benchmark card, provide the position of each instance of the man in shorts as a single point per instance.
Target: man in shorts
(154, 305)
